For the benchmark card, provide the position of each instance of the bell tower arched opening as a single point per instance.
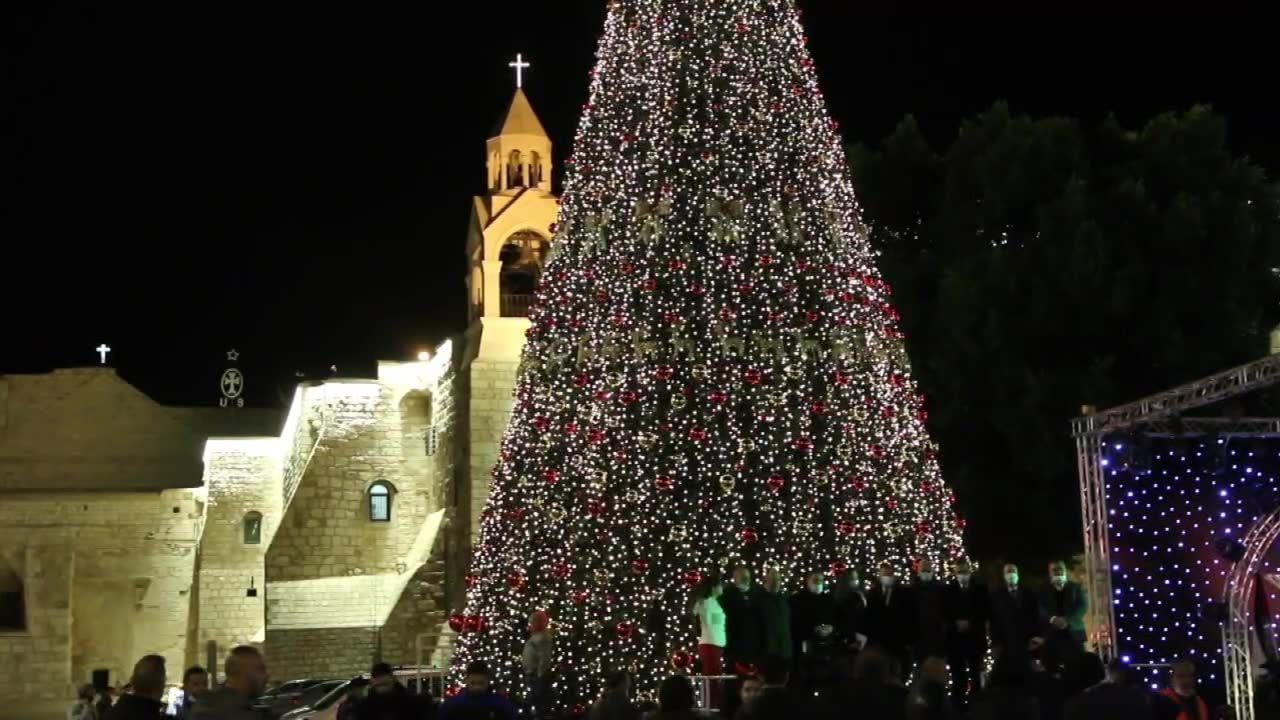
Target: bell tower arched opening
(522, 256)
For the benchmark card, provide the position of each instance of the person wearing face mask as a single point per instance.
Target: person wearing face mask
(1015, 617)
(744, 621)
(850, 601)
(964, 607)
(812, 617)
(890, 614)
(930, 636)
(1064, 602)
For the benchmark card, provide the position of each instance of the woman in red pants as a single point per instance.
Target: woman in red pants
(711, 631)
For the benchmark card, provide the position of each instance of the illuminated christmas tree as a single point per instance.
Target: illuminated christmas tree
(714, 370)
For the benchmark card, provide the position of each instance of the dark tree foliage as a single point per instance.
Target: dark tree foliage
(1041, 266)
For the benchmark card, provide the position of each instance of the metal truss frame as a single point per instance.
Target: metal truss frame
(1161, 415)
(1237, 651)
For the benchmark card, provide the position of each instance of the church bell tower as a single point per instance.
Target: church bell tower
(508, 237)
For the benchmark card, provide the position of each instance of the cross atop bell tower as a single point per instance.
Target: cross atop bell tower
(519, 149)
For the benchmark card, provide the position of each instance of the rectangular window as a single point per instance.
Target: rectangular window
(380, 508)
(13, 610)
(432, 441)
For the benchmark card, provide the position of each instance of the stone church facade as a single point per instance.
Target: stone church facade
(331, 534)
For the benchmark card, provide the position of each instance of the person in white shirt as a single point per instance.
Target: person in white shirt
(712, 632)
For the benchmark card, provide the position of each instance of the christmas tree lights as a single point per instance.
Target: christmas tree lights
(1169, 503)
(714, 370)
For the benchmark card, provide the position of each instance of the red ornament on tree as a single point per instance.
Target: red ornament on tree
(664, 373)
(753, 377)
(579, 597)
(515, 580)
(692, 577)
(639, 566)
(472, 580)
(457, 622)
(664, 482)
(681, 660)
(596, 436)
(596, 508)
(749, 535)
(560, 571)
(804, 443)
(551, 477)
(697, 434)
(838, 567)
(845, 528)
(892, 503)
(625, 630)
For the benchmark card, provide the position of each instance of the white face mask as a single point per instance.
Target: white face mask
(1011, 578)
(963, 578)
(886, 580)
(1059, 581)
(816, 588)
(926, 576)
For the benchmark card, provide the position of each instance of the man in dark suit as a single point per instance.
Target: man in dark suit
(1015, 617)
(964, 605)
(890, 617)
(744, 620)
(1064, 603)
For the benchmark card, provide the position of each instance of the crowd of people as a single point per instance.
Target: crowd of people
(956, 619)
(895, 651)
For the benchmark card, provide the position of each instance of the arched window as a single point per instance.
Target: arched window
(380, 494)
(515, 170)
(522, 256)
(253, 528)
(13, 601)
(535, 169)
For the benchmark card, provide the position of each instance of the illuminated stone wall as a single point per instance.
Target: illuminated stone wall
(108, 578)
(242, 476)
(492, 387)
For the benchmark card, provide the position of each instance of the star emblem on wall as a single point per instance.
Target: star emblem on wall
(233, 355)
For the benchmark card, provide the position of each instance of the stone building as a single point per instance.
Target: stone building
(330, 534)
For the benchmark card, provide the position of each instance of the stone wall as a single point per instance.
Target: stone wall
(242, 476)
(492, 387)
(320, 652)
(108, 579)
(37, 663)
(326, 530)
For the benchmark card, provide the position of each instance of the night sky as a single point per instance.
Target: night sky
(295, 183)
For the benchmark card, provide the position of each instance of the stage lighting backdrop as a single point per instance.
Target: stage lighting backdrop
(1174, 505)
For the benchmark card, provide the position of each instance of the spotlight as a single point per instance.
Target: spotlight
(1229, 549)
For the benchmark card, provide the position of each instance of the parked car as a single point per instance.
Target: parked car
(326, 707)
(293, 695)
(346, 692)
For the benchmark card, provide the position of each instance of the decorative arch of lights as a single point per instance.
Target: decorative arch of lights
(1161, 414)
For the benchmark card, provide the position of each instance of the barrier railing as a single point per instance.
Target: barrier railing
(709, 690)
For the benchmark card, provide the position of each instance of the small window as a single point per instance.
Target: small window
(13, 606)
(431, 441)
(253, 528)
(380, 502)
